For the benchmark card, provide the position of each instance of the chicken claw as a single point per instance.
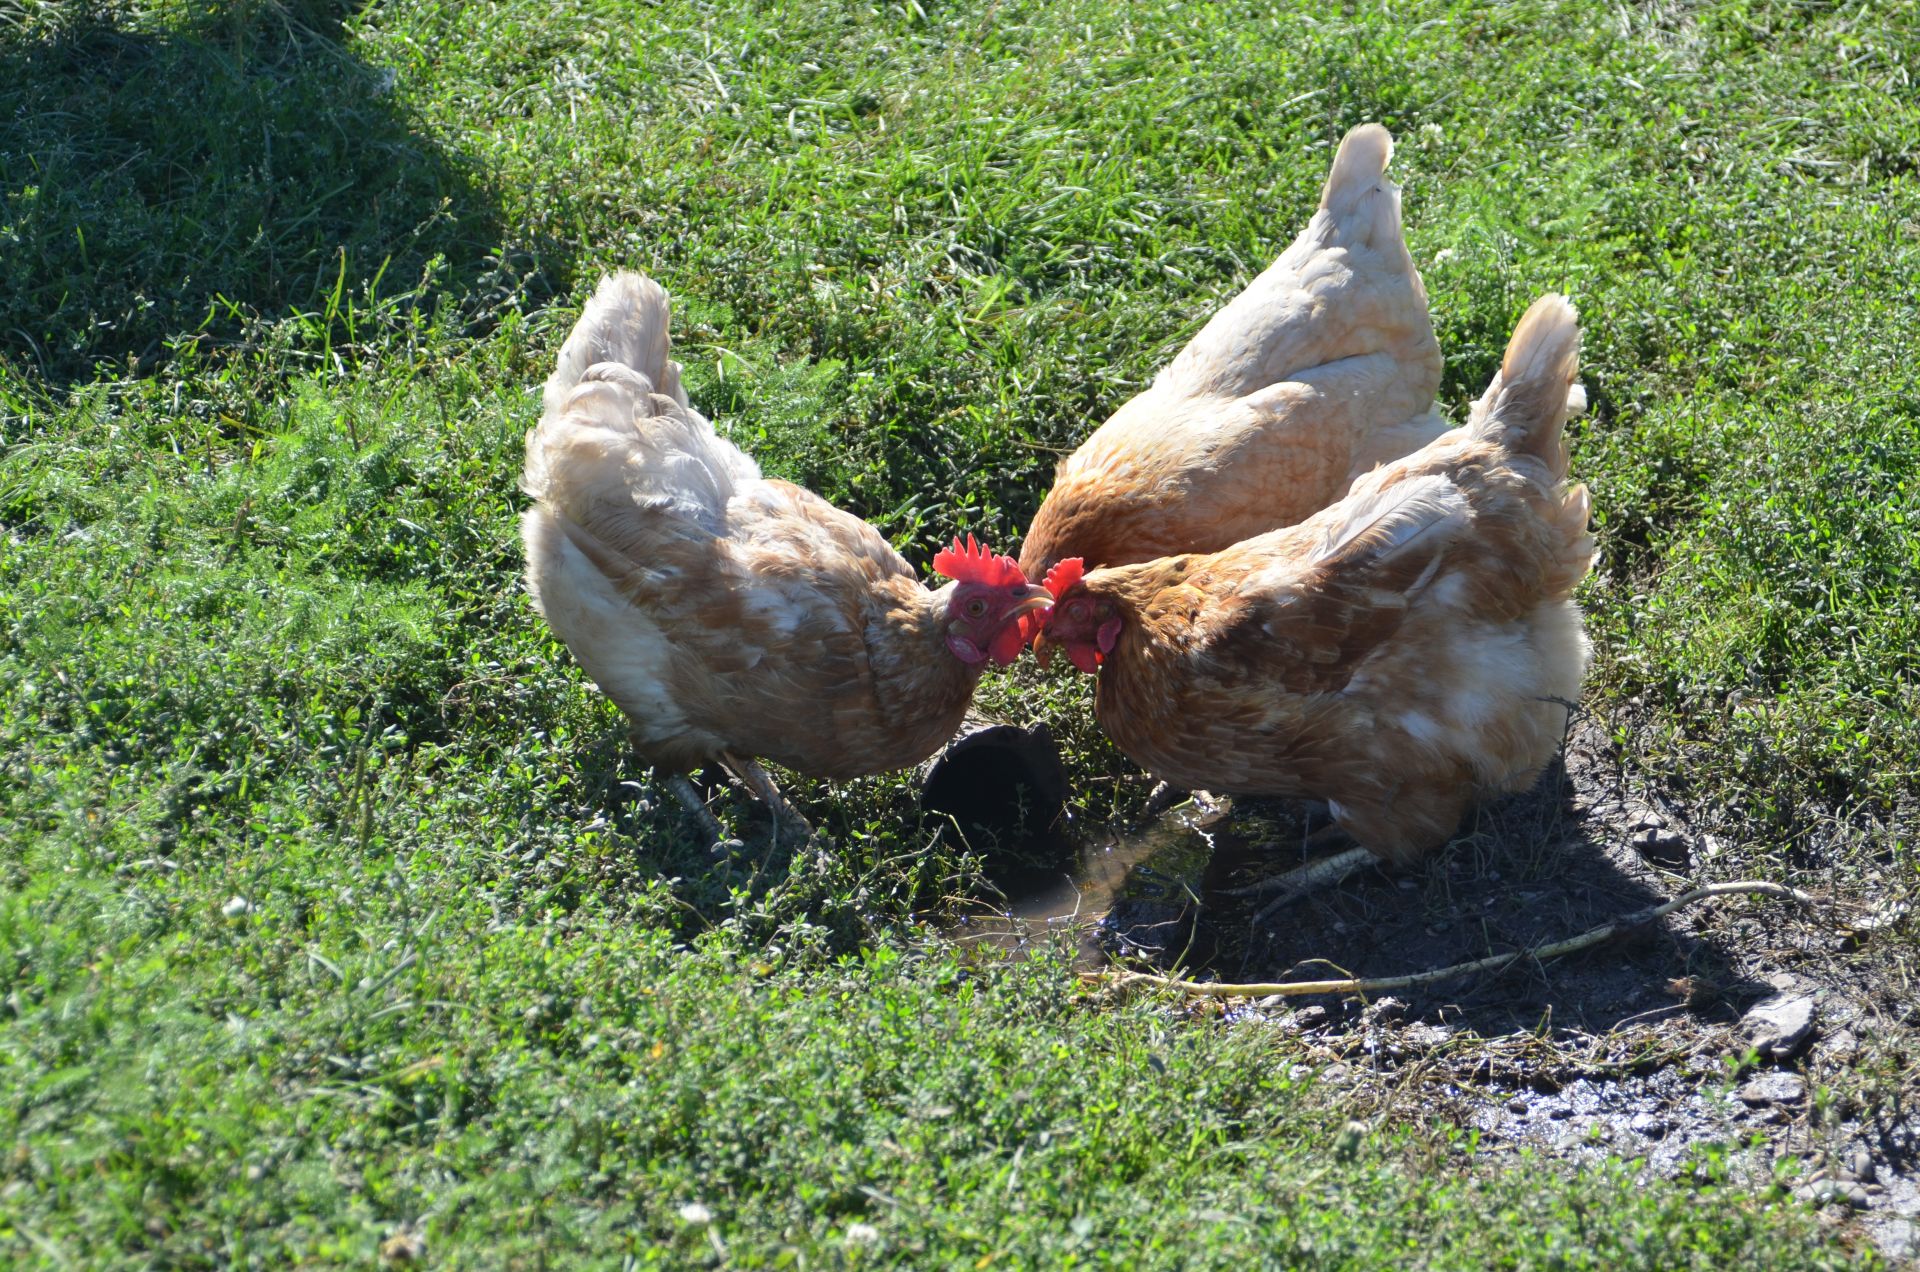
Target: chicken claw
(1308, 878)
(683, 791)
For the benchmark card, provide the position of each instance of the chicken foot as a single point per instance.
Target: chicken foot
(683, 791)
(757, 780)
(1321, 838)
(1295, 884)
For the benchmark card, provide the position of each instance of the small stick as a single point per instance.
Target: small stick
(1539, 953)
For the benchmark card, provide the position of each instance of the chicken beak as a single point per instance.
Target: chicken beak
(1036, 598)
(1042, 652)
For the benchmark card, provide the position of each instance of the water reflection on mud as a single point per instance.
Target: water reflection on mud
(1133, 889)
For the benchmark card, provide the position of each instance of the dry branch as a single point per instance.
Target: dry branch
(1538, 953)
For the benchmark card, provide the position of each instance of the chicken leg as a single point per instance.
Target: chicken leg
(683, 791)
(762, 785)
(1296, 883)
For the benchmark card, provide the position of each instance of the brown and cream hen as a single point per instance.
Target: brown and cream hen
(731, 616)
(1398, 654)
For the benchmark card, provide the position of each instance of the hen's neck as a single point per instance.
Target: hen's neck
(1152, 601)
(921, 687)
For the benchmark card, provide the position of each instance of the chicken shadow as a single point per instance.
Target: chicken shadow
(170, 185)
(1529, 870)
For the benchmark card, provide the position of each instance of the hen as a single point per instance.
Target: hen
(1324, 367)
(1397, 654)
(729, 615)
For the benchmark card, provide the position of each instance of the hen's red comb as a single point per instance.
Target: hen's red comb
(1064, 575)
(971, 563)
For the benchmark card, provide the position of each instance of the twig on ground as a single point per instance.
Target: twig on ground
(1538, 953)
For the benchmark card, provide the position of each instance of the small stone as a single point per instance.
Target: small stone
(1649, 1125)
(1898, 1239)
(404, 1246)
(1773, 1088)
(1860, 1164)
(1662, 847)
(1778, 1026)
(694, 1212)
(1384, 1009)
(1832, 1192)
(1649, 820)
(237, 907)
(1517, 1106)
(1559, 1112)
(1309, 1017)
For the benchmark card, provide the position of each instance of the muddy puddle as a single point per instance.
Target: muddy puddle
(1130, 892)
(1652, 1047)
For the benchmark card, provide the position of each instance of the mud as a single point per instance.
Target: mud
(1640, 1049)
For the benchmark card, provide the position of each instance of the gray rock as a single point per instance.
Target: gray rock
(1662, 847)
(1898, 1239)
(1386, 1009)
(1651, 1125)
(1860, 1164)
(1780, 1025)
(1773, 1088)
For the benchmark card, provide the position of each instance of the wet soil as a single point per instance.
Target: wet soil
(1641, 1048)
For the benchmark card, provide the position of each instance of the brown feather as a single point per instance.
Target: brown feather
(1324, 367)
(1397, 654)
(724, 613)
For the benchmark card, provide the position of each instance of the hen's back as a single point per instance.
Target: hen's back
(604, 443)
(1322, 368)
(723, 612)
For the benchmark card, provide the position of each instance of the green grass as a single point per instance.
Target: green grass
(278, 283)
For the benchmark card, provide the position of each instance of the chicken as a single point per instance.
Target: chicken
(1398, 654)
(1323, 368)
(731, 616)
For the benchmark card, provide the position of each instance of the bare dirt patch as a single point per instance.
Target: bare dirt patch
(1742, 1035)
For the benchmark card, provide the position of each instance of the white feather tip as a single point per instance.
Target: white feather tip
(1546, 343)
(1358, 166)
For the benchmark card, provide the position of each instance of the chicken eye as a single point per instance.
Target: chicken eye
(977, 608)
(1077, 610)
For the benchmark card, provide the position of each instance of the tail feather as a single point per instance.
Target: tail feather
(626, 323)
(1527, 405)
(1345, 286)
(1357, 195)
(616, 432)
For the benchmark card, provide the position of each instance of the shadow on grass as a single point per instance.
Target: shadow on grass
(183, 174)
